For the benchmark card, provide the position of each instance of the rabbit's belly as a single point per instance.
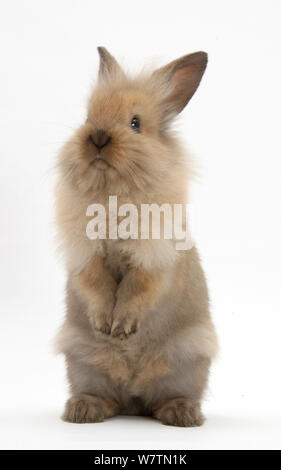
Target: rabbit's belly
(130, 367)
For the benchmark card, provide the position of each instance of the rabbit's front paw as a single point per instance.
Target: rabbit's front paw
(124, 325)
(101, 319)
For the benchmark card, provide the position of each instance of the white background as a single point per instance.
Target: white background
(48, 61)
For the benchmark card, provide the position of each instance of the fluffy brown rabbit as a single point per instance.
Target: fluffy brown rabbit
(138, 337)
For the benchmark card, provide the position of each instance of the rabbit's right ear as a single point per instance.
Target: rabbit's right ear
(109, 67)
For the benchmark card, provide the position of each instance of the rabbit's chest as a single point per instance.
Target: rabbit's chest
(117, 260)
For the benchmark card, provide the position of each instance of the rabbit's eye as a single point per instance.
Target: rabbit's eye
(135, 124)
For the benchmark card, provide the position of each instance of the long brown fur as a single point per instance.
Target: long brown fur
(138, 337)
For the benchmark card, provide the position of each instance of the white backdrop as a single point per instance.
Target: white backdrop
(48, 61)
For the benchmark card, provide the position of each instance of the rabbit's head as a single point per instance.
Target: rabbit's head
(126, 140)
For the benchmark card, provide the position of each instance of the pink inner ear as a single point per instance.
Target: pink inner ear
(184, 82)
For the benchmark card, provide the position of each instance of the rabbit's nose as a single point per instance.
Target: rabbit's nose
(100, 138)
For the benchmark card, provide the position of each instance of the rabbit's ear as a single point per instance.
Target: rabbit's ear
(179, 81)
(109, 67)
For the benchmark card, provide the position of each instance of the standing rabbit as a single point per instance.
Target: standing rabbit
(138, 337)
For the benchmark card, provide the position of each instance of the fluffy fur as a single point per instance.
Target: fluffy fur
(138, 338)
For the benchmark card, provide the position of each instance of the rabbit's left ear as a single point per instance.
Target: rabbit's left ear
(109, 67)
(179, 80)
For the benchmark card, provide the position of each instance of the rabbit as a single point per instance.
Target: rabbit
(138, 337)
